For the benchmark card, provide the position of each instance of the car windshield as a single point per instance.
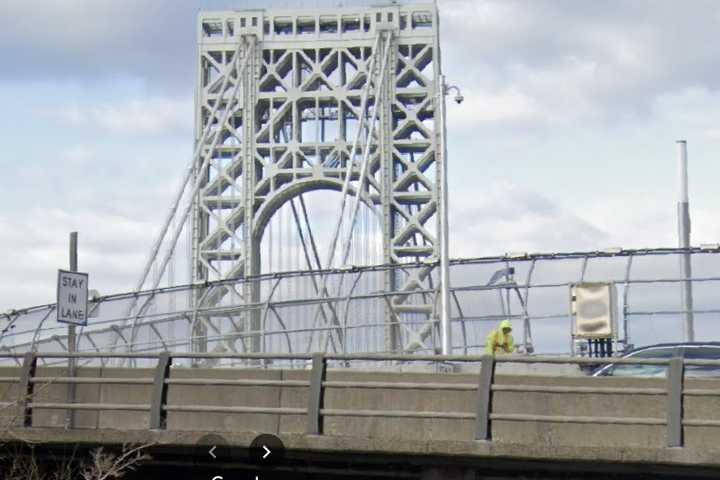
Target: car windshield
(643, 370)
(702, 353)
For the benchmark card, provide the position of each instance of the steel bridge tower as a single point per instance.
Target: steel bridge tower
(345, 99)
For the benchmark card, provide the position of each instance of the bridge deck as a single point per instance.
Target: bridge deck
(464, 417)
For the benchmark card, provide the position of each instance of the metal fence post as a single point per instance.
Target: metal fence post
(158, 415)
(484, 397)
(675, 374)
(25, 390)
(315, 394)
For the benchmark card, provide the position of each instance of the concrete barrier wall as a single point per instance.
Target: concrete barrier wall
(411, 400)
(8, 393)
(246, 396)
(579, 405)
(702, 408)
(58, 393)
(515, 432)
(130, 394)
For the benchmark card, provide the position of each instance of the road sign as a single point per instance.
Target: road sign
(72, 297)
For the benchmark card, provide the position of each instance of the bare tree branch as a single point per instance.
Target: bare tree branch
(106, 466)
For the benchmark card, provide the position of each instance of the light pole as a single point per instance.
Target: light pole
(684, 243)
(445, 330)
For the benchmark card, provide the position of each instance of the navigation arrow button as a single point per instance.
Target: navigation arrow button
(266, 450)
(213, 446)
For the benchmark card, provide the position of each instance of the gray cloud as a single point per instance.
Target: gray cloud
(596, 61)
(87, 40)
(112, 247)
(81, 40)
(545, 59)
(620, 52)
(140, 116)
(509, 217)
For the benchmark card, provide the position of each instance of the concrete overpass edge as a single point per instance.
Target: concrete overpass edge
(468, 451)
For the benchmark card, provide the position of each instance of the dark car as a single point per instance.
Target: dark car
(687, 350)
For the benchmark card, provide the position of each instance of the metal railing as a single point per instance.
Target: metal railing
(317, 385)
(293, 318)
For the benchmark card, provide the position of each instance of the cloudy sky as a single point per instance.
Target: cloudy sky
(566, 139)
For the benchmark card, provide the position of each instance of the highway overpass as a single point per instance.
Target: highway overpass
(360, 417)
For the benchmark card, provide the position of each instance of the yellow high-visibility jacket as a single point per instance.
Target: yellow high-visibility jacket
(497, 341)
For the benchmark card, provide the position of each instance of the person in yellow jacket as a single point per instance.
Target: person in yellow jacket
(500, 339)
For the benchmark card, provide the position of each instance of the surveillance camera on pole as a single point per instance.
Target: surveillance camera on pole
(445, 330)
(458, 96)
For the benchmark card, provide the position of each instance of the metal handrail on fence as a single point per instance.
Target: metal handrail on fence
(317, 385)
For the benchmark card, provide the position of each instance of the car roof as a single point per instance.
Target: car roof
(672, 344)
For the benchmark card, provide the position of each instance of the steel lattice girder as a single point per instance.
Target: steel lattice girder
(306, 71)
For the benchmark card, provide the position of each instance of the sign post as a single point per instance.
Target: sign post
(72, 308)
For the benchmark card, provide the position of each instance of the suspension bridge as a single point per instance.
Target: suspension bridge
(312, 214)
(311, 219)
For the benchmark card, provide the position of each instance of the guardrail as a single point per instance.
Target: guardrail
(317, 385)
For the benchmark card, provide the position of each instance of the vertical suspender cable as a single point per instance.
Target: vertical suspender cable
(350, 164)
(366, 153)
(350, 161)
